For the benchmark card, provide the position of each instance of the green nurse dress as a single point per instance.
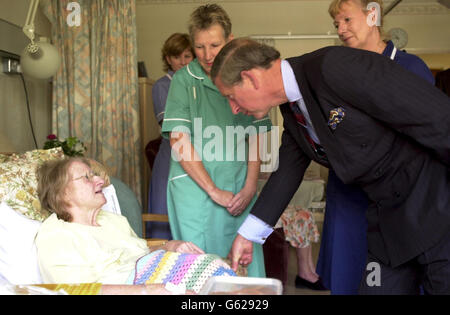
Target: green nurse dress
(195, 106)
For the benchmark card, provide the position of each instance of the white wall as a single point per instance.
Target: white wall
(428, 29)
(15, 12)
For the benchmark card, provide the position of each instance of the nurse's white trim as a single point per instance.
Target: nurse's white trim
(159, 114)
(179, 176)
(181, 119)
(256, 121)
(193, 75)
(394, 52)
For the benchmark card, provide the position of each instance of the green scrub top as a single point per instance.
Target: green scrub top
(195, 106)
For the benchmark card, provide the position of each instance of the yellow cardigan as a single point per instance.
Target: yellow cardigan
(77, 253)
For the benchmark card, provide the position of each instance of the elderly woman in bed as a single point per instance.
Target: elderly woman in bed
(80, 243)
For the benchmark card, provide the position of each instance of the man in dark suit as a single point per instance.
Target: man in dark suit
(378, 126)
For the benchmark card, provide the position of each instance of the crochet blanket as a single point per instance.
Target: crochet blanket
(189, 270)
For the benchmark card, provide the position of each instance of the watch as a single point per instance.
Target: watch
(399, 37)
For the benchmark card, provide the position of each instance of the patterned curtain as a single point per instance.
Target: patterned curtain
(95, 92)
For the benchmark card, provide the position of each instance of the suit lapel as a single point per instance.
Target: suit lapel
(296, 131)
(307, 77)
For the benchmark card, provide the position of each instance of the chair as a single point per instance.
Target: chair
(151, 149)
(151, 217)
(133, 211)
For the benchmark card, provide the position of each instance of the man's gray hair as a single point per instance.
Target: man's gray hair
(239, 55)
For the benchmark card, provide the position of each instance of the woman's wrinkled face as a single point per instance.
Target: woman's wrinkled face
(84, 189)
(352, 25)
(207, 44)
(178, 62)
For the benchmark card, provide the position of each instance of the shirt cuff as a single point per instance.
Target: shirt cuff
(255, 230)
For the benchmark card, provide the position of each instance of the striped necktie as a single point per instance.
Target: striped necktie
(302, 121)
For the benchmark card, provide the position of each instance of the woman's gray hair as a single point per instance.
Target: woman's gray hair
(239, 55)
(207, 15)
(53, 177)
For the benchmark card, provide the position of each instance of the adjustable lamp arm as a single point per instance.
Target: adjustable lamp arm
(28, 28)
(39, 59)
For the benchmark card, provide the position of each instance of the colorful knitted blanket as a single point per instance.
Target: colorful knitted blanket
(189, 270)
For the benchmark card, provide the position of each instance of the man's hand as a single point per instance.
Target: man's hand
(241, 252)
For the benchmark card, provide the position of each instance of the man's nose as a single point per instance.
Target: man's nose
(208, 54)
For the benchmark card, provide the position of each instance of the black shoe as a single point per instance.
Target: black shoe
(302, 284)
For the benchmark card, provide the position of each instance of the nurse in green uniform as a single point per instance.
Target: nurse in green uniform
(214, 165)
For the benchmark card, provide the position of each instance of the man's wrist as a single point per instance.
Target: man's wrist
(255, 230)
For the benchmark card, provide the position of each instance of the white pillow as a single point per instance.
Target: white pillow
(18, 255)
(112, 203)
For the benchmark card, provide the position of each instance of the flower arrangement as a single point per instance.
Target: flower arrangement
(71, 146)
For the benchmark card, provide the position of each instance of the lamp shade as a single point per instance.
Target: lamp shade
(43, 63)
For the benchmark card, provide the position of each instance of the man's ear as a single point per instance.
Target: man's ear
(250, 75)
(230, 38)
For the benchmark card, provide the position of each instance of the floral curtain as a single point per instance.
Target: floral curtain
(95, 92)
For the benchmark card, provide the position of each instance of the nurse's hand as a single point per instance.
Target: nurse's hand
(241, 200)
(221, 197)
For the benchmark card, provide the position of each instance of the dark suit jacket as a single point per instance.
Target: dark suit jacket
(394, 141)
(443, 81)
